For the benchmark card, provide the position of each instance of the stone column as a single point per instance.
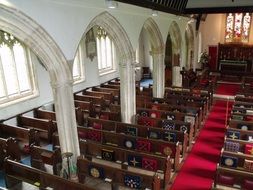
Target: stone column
(158, 72)
(66, 119)
(127, 91)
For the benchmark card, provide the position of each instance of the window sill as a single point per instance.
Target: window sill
(19, 100)
(106, 72)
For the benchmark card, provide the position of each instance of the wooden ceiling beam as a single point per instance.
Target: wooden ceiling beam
(210, 10)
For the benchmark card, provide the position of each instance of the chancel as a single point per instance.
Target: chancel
(126, 94)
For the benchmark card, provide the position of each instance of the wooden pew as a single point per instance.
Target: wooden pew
(168, 115)
(207, 94)
(231, 178)
(116, 139)
(241, 143)
(95, 100)
(83, 110)
(9, 148)
(16, 172)
(243, 99)
(114, 92)
(108, 97)
(116, 175)
(178, 125)
(41, 156)
(246, 105)
(25, 137)
(45, 114)
(123, 155)
(244, 135)
(236, 124)
(240, 159)
(121, 140)
(45, 127)
(141, 131)
(202, 101)
(161, 105)
(110, 86)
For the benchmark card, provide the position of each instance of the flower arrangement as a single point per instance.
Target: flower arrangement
(204, 59)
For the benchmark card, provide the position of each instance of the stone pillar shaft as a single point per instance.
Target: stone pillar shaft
(127, 92)
(66, 119)
(158, 75)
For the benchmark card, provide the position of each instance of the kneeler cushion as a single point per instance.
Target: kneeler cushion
(248, 184)
(146, 121)
(82, 134)
(143, 145)
(149, 164)
(227, 180)
(248, 149)
(155, 114)
(167, 150)
(94, 135)
(105, 117)
(97, 125)
(26, 149)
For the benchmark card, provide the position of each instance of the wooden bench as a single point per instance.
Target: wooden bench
(168, 125)
(45, 114)
(168, 115)
(110, 86)
(41, 156)
(144, 161)
(117, 176)
(9, 148)
(160, 104)
(25, 137)
(237, 124)
(239, 157)
(45, 127)
(142, 131)
(233, 179)
(114, 92)
(95, 100)
(135, 143)
(108, 97)
(16, 172)
(83, 110)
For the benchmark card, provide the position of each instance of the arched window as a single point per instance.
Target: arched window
(237, 27)
(105, 51)
(16, 70)
(78, 65)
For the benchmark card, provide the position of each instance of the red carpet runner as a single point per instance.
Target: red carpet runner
(228, 89)
(198, 170)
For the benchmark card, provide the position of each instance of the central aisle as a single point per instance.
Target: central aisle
(198, 170)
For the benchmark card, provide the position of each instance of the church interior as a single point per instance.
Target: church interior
(126, 94)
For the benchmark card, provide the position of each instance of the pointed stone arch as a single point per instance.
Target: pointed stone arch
(126, 60)
(189, 40)
(176, 39)
(39, 41)
(157, 53)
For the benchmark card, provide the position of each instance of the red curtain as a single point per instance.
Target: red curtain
(213, 53)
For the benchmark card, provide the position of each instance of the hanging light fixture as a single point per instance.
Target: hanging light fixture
(111, 4)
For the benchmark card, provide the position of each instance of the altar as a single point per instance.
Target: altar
(234, 66)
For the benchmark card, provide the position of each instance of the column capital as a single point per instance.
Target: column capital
(157, 50)
(60, 84)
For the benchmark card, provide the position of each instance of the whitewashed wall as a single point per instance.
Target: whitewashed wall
(66, 22)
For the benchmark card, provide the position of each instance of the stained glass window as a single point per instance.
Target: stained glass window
(229, 28)
(246, 27)
(237, 27)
